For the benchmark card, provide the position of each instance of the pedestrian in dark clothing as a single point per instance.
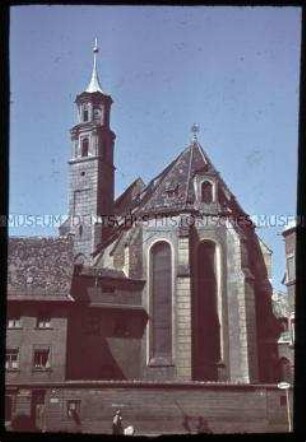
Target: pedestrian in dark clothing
(117, 423)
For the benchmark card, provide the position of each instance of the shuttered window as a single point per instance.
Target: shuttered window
(161, 302)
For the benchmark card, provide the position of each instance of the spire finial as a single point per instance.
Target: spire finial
(195, 129)
(94, 84)
(96, 47)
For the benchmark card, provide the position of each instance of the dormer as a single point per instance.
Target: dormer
(206, 191)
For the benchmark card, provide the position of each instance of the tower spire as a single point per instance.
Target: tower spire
(94, 84)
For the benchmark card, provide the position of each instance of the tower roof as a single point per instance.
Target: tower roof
(94, 84)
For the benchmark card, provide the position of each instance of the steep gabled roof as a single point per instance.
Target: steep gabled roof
(172, 191)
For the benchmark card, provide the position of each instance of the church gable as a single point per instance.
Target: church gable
(189, 183)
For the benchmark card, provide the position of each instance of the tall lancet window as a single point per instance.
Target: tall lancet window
(206, 330)
(206, 192)
(161, 303)
(85, 147)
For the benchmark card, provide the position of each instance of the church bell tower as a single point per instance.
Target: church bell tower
(91, 195)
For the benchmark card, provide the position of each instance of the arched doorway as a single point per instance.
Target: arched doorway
(206, 326)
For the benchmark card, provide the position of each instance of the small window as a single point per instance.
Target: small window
(85, 113)
(85, 147)
(73, 406)
(172, 192)
(43, 321)
(206, 192)
(92, 324)
(292, 330)
(80, 230)
(107, 289)
(14, 322)
(12, 359)
(41, 359)
(291, 268)
(97, 113)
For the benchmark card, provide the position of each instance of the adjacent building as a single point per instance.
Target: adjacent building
(284, 307)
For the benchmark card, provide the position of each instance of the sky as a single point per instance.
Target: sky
(232, 70)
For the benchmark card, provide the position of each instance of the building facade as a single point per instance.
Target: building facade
(161, 293)
(284, 306)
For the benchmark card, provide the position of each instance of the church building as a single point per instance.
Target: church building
(157, 302)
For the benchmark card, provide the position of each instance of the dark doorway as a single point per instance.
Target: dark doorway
(206, 327)
(8, 407)
(38, 409)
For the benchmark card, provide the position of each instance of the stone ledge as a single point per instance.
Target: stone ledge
(140, 383)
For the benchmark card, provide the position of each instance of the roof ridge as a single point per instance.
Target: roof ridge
(189, 173)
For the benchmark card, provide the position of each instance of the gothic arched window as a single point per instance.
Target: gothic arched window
(206, 192)
(161, 304)
(206, 321)
(85, 147)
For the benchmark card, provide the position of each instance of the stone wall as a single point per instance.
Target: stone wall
(169, 408)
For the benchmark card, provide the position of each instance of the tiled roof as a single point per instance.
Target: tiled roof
(173, 190)
(129, 197)
(103, 272)
(40, 267)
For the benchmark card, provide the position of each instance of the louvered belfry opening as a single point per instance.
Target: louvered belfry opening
(161, 303)
(206, 333)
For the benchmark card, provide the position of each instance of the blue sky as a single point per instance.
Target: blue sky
(232, 70)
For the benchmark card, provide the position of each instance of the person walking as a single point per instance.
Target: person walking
(117, 428)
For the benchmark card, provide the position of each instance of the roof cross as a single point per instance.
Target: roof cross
(195, 129)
